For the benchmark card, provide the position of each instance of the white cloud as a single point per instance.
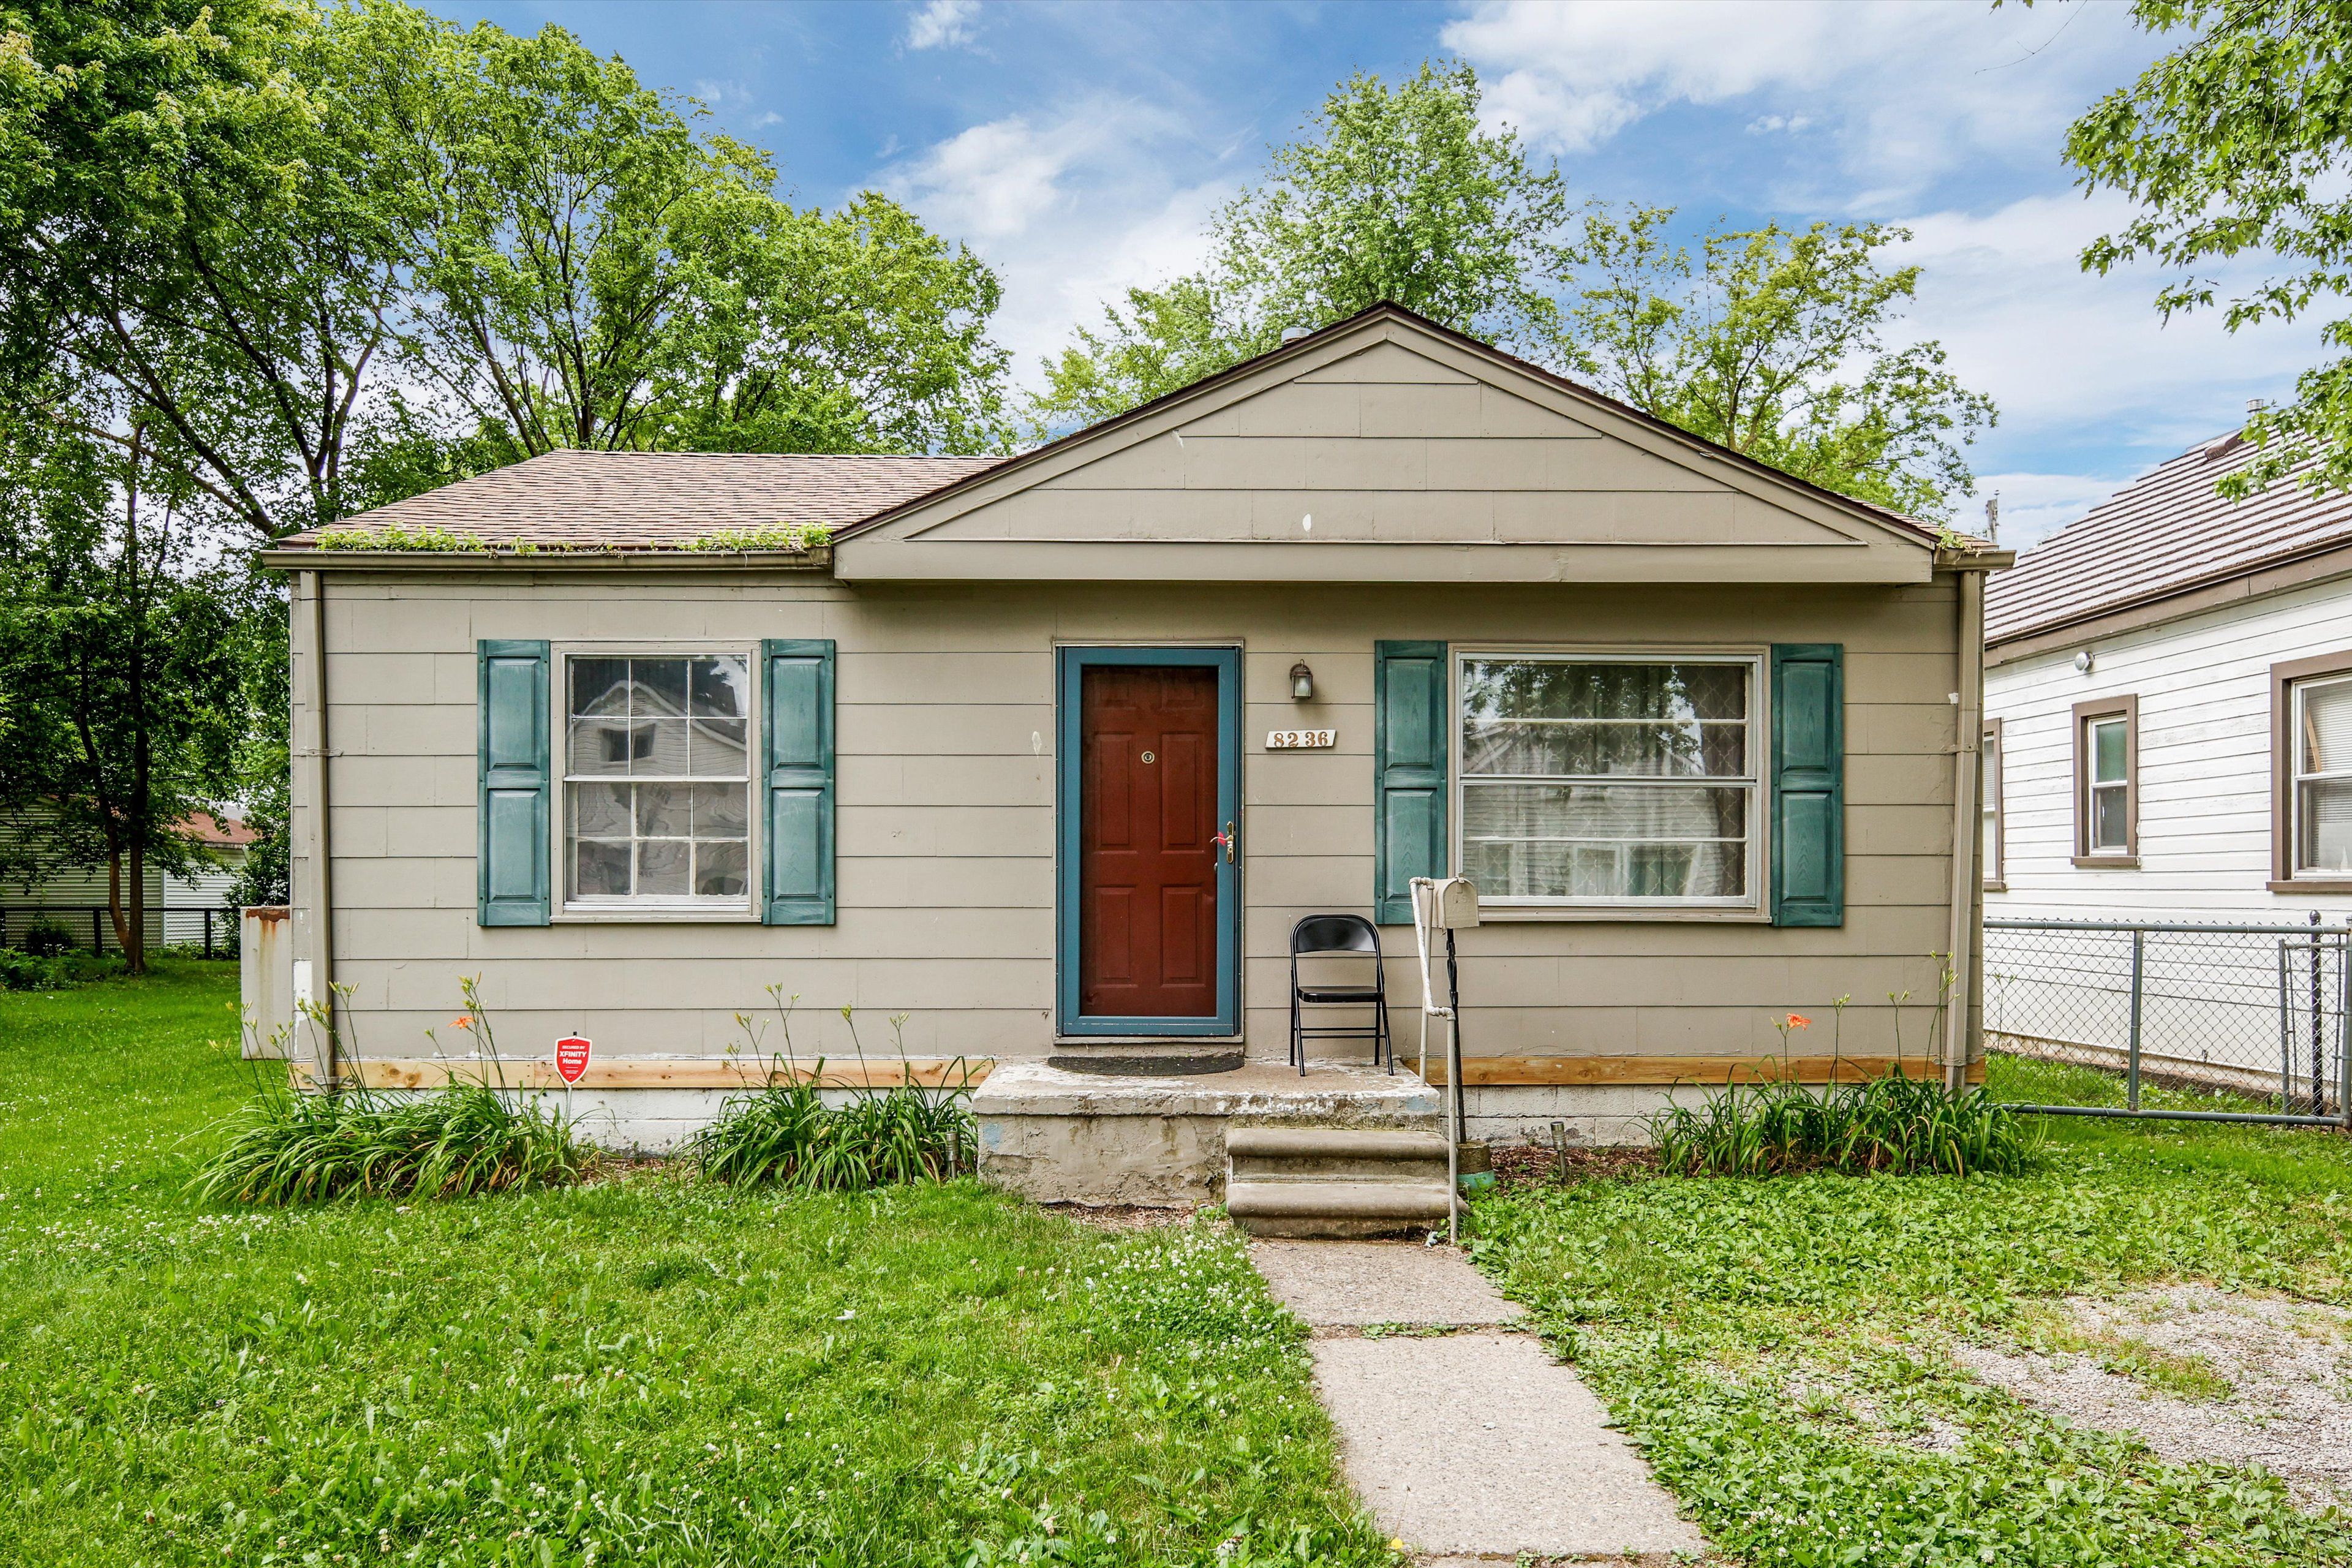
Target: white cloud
(2079, 364)
(1911, 91)
(992, 179)
(1772, 124)
(2065, 351)
(942, 24)
(1070, 209)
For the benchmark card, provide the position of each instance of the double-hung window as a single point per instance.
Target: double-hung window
(1990, 804)
(656, 780)
(2107, 782)
(1608, 780)
(2320, 781)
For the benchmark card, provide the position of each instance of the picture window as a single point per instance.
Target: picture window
(1605, 780)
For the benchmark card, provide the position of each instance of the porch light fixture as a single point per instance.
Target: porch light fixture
(1302, 682)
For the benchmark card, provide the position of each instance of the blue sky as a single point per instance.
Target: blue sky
(1082, 147)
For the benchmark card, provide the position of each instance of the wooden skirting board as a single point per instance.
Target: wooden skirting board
(656, 1072)
(1483, 1072)
(1479, 1072)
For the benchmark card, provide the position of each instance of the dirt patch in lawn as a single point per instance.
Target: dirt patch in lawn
(1519, 1166)
(2200, 1373)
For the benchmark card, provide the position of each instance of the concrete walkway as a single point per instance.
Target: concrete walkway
(1471, 1445)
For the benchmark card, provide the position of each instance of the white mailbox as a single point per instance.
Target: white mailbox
(1453, 904)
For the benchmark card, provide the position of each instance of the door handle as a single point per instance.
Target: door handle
(1225, 841)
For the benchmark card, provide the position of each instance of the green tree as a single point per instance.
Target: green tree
(1393, 193)
(123, 692)
(221, 218)
(1773, 343)
(204, 226)
(594, 274)
(2234, 144)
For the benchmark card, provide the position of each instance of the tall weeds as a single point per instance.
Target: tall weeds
(473, 1136)
(786, 1135)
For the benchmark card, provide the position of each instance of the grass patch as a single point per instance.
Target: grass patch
(2028, 1080)
(648, 1370)
(1778, 1346)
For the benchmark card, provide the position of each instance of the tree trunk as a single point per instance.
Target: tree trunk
(134, 947)
(114, 898)
(134, 952)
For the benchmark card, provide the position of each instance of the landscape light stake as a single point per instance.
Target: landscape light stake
(1559, 1150)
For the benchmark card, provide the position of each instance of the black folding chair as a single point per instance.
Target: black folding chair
(1338, 934)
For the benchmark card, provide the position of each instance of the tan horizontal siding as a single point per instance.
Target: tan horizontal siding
(946, 837)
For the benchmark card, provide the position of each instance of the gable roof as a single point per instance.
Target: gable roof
(2164, 534)
(1386, 448)
(665, 502)
(1388, 310)
(651, 501)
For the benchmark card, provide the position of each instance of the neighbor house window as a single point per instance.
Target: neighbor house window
(2313, 762)
(1988, 804)
(2107, 782)
(1605, 780)
(656, 785)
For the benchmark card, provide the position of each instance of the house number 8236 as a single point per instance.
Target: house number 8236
(1289, 739)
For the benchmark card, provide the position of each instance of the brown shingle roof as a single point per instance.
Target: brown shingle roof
(649, 500)
(2164, 533)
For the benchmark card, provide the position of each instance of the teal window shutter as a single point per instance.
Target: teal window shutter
(1412, 730)
(511, 869)
(1808, 784)
(797, 749)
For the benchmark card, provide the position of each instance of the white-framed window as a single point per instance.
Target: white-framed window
(2107, 782)
(1610, 780)
(656, 779)
(1989, 803)
(2322, 802)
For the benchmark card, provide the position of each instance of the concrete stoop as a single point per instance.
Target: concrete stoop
(1159, 1140)
(1330, 1181)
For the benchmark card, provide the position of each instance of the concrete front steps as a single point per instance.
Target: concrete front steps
(1335, 1181)
(1158, 1140)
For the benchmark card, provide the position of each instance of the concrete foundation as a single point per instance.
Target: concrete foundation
(1160, 1143)
(1599, 1116)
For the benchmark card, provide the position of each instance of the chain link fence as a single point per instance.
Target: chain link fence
(2170, 1019)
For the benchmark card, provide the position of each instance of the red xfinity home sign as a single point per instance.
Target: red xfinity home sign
(572, 1057)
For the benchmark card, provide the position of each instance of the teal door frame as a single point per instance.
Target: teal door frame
(1070, 664)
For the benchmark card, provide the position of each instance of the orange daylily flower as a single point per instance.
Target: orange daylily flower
(1799, 1021)
(464, 1021)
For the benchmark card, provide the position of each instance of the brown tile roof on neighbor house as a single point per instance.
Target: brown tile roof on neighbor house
(653, 501)
(2165, 533)
(230, 832)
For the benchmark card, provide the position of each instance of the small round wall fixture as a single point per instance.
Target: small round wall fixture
(2082, 662)
(1302, 682)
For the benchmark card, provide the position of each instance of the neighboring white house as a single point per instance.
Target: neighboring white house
(197, 910)
(2169, 738)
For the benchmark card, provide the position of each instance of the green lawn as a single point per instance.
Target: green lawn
(642, 1370)
(1780, 1345)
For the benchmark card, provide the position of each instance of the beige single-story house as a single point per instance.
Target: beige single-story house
(1044, 756)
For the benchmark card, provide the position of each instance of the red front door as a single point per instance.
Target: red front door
(1147, 865)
